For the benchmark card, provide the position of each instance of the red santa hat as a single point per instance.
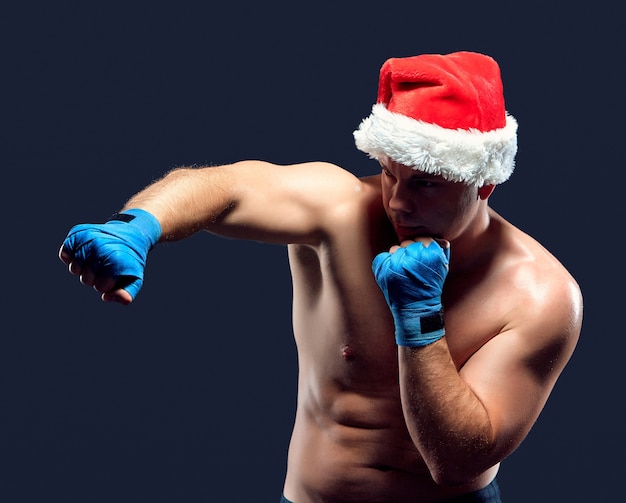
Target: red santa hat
(444, 115)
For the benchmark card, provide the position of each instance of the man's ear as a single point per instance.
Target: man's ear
(485, 191)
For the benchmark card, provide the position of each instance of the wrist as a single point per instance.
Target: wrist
(416, 327)
(143, 221)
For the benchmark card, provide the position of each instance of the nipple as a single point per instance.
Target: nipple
(347, 352)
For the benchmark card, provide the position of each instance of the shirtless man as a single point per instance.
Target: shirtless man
(430, 331)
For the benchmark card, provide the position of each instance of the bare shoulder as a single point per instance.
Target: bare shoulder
(542, 304)
(318, 184)
(318, 176)
(329, 183)
(551, 296)
(326, 190)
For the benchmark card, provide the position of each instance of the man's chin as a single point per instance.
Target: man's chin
(407, 233)
(412, 233)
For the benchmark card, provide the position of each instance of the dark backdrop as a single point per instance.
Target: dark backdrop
(189, 394)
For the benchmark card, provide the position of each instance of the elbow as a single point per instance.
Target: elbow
(462, 469)
(454, 477)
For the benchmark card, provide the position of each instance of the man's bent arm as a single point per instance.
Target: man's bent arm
(465, 421)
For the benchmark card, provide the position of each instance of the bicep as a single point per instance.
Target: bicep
(514, 373)
(284, 204)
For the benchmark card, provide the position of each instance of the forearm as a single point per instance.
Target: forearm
(186, 200)
(446, 420)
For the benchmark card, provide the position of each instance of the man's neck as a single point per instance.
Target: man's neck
(474, 244)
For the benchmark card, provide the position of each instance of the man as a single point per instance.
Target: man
(430, 331)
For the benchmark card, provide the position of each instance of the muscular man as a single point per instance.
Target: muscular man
(430, 331)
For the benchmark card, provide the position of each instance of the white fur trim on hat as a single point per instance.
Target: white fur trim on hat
(469, 156)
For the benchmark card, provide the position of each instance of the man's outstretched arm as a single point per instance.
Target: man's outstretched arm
(248, 200)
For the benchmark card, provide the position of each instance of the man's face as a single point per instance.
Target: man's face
(420, 204)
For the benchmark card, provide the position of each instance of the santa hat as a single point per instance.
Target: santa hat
(444, 115)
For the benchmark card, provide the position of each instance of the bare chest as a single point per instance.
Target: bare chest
(342, 322)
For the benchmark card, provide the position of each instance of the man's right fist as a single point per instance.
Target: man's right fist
(112, 256)
(411, 277)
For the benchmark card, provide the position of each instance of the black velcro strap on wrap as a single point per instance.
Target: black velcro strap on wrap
(431, 323)
(122, 217)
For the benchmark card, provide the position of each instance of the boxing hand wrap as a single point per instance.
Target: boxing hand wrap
(118, 248)
(412, 281)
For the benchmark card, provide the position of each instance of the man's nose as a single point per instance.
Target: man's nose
(400, 200)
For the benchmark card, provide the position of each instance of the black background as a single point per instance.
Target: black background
(189, 394)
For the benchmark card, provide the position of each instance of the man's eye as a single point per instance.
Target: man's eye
(423, 184)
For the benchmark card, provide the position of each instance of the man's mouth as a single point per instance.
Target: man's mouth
(406, 231)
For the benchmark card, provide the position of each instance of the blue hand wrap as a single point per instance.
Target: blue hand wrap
(118, 248)
(412, 281)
